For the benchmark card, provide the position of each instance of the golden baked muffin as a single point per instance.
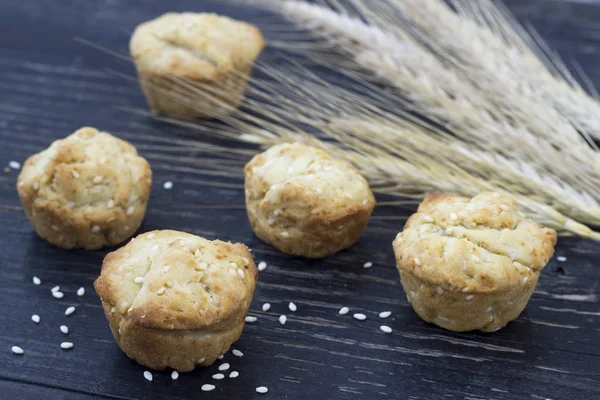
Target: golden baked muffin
(470, 264)
(194, 65)
(88, 190)
(304, 202)
(175, 300)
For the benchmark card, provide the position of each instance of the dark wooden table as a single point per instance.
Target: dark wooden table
(51, 85)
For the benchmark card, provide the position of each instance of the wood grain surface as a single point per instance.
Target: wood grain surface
(51, 84)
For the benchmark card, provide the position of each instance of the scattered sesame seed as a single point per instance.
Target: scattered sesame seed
(80, 291)
(266, 307)
(240, 272)
(343, 311)
(17, 350)
(453, 216)
(160, 291)
(385, 314)
(285, 234)
(218, 376)
(75, 174)
(368, 265)
(200, 361)
(475, 258)
(111, 203)
(207, 387)
(174, 375)
(262, 389)
(66, 345)
(203, 265)
(168, 185)
(360, 317)
(250, 318)
(224, 367)
(97, 179)
(292, 307)
(36, 281)
(150, 236)
(148, 376)
(488, 309)
(385, 329)
(36, 185)
(14, 165)
(234, 374)
(504, 207)
(35, 318)
(139, 279)
(465, 290)
(69, 311)
(561, 258)
(469, 297)
(130, 210)
(365, 202)
(246, 261)
(262, 266)
(57, 294)
(525, 280)
(64, 329)
(237, 353)
(95, 229)
(417, 261)
(439, 290)
(55, 289)
(282, 319)
(221, 356)
(427, 218)
(232, 271)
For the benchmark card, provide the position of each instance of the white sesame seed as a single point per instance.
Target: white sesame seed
(453, 216)
(368, 264)
(57, 294)
(80, 291)
(111, 203)
(14, 164)
(439, 290)
(17, 350)
(240, 272)
(55, 289)
(561, 258)
(207, 387)
(69, 311)
(386, 328)
(75, 174)
(168, 185)
(148, 376)
(203, 265)
(488, 309)
(465, 290)
(174, 375)
(282, 319)
(138, 279)
(262, 389)
(234, 374)
(417, 261)
(237, 353)
(130, 210)
(266, 307)
(221, 356)
(285, 234)
(218, 376)
(232, 271)
(36, 185)
(525, 280)
(36, 281)
(64, 329)
(292, 307)
(95, 229)
(66, 345)
(35, 318)
(385, 314)
(224, 367)
(427, 218)
(262, 266)
(469, 297)
(475, 258)
(246, 261)
(250, 318)
(160, 291)
(504, 207)
(343, 311)
(97, 179)
(360, 317)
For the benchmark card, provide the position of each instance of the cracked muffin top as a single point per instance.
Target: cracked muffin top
(195, 46)
(174, 280)
(481, 244)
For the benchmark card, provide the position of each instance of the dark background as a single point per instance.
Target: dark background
(50, 85)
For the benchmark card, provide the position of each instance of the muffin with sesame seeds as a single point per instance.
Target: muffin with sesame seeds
(88, 190)
(468, 264)
(176, 300)
(194, 65)
(304, 202)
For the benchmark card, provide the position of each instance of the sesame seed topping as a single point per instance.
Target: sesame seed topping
(75, 174)
(221, 356)
(561, 258)
(69, 311)
(240, 272)
(130, 210)
(113, 309)
(160, 291)
(224, 367)
(417, 261)
(453, 216)
(282, 319)
(66, 345)
(57, 294)
(385, 329)
(148, 376)
(449, 231)
(234, 374)
(262, 266)
(36, 281)
(465, 290)
(385, 314)
(64, 329)
(55, 289)
(469, 297)
(80, 291)
(111, 203)
(251, 319)
(218, 376)
(138, 279)
(292, 307)
(237, 353)
(475, 258)
(365, 202)
(266, 307)
(97, 179)
(207, 387)
(203, 265)
(427, 218)
(232, 271)
(368, 264)
(35, 318)
(246, 261)
(174, 375)
(14, 164)
(488, 309)
(360, 317)
(17, 350)
(343, 311)
(168, 185)
(439, 290)
(285, 234)
(525, 280)
(36, 185)
(262, 389)
(200, 361)
(95, 229)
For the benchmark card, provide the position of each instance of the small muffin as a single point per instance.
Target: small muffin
(470, 264)
(175, 300)
(304, 202)
(87, 191)
(194, 65)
